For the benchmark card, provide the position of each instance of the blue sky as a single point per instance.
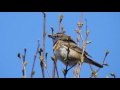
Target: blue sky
(19, 30)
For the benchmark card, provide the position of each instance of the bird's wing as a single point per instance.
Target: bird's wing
(74, 46)
(66, 41)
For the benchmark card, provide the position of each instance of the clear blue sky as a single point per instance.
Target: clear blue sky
(19, 30)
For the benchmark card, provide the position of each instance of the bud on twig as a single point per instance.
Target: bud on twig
(107, 77)
(78, 31)
(106, 64)
(88, 41)
(80, 24)
(33, 72)
(39, 51)
(112, 74)
(52, 28)
(45, 33)
(25, 63)
(82, 59)
(46, 55)
(87, 32)
(63, 70)
(25, 50)
(61, 17)
(62, 27)
(53, 58)
(44, 13)
(107, 52)
(63, 31)
(41, 58)
(83, 46)
(23, 56)
(94, 73)
(19, 55)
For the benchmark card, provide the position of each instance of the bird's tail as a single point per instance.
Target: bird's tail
(88, 60)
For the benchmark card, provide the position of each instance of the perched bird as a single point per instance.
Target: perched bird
(60, 48)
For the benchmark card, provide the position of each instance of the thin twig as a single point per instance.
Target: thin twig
(91, 67)
(86, 33)
(81, 36)
(44, 39)
(102, 63)
(84, 43)
(47, 70)
(24, 68)
(81, 16)
(35, 59)
(56, 68)
(54, 60)
(80, 26)
(78, 39)
(86, 25)
(59, 21)
(53, 68)
(83, 48)
(71, 66)
(46, 66)
(112, 74)
(58, 25)
(22, 59)
(24, 55)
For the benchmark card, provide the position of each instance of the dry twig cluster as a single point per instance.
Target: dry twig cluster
(43, 55)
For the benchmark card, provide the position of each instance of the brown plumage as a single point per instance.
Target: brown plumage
(60, 50)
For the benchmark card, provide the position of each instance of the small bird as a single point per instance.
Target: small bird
(60, 49)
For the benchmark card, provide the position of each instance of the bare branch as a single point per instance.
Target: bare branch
(55, 66)
(44, 39)
(107, 52)
(23, 64)
(32, 71)
(54, 63)
(59, 21)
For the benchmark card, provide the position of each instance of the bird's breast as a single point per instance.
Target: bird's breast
(61, 53)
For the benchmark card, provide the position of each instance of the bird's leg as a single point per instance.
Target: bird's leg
(67, 62)
(66, 70)
(72, 66)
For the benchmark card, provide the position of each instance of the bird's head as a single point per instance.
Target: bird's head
(57, 36)
(61, 36)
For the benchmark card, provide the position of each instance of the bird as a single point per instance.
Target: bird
(60, 49)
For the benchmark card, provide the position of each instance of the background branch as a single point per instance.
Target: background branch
(32, 71)
(22, 59)
(54, 66)
(103, 63)
(44, 38)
